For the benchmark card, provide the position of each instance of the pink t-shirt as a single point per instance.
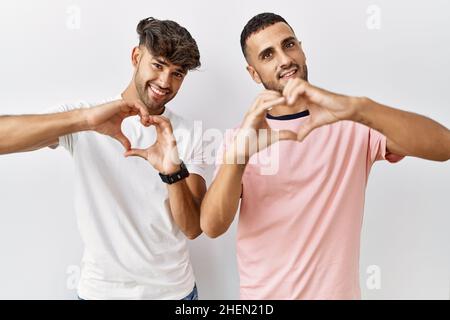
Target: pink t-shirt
(302, 210)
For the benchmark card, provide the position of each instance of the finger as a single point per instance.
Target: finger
(161, 119)
(256, 103)
(296, 92)
(133, 108)
(288, 88)
(143, 112)
(123, 140)
(291, 86)
(264, 96)
(136, 153)
(152, 121)
(316, 95)
(164, 132)
(269, 105)
(162, 122)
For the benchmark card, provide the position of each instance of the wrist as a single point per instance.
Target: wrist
(173, 163)
(358, 107)
(171, 170)
(84, 115)
(81, 117)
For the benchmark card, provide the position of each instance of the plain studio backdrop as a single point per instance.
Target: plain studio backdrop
(396, 52)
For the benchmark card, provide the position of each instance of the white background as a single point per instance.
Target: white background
(47, 60)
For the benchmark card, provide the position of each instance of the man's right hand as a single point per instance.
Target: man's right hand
(107, 118)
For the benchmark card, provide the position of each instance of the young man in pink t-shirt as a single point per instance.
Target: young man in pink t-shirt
(298, 165)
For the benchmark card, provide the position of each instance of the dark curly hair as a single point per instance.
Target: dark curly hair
(167, 39)
(258, 23)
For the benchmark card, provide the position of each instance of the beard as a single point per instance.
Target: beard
(142, 91)
(142, 87)
(277, 86)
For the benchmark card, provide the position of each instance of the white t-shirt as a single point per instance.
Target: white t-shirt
(133, 248)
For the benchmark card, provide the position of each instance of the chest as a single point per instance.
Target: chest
(328, 154)
(100, 162)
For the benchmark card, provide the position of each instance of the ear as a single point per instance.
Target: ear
(255, 76)
(136, 55)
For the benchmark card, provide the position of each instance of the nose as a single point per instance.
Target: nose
(284, 60)
(164, 80)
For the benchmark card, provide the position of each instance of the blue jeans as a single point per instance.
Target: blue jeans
(193, 295)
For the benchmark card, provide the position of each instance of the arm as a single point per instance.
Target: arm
(31, 132)
(221, 202)
(186, 195)
(408, 134)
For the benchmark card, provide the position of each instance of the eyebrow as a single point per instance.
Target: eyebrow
(270, 49)
(164, 63)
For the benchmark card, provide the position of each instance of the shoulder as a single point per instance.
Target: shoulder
(351, 129)
(80, 104)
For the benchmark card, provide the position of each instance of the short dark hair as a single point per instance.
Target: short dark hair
(258, 23)
(167, 39)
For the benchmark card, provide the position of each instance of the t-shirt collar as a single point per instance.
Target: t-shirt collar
(297, 115)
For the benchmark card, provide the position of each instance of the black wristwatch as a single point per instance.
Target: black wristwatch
(177, 176)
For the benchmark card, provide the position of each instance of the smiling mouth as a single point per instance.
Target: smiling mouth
(157, 92)
(289, 74)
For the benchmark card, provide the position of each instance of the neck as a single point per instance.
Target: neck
(131, 94)
(283, 110)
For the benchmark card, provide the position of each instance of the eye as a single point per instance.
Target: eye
(290, 44)
(267, 55)
(178, 75)
(157, 66)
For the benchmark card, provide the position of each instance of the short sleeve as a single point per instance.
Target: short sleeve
(195, 162)
(378, 148)
(67, 141)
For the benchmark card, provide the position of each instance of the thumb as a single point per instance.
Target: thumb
(279, 135)
(287, 135)
(136, 153)
(305, 130)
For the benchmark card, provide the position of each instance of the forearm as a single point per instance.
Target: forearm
(21, 132)
(221, 202)
(185, 209)
(416, 135)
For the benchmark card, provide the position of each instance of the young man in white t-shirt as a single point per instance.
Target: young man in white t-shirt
(133, 217)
